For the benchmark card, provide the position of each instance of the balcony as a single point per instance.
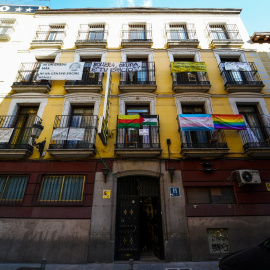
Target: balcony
(224, 36)
(16, 141)
(179, 36)
(6, 28)
(139, 81)
(49, 37)
(261, 37)
(236, 80)
(203, 143)
(92, 37)
(131, 144)
(137, 36)
(76, 136)
(90, 82)
(256, 138)
(184, 82)
(26, 80)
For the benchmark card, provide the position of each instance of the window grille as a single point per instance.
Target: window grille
(12, 187)
(62, 188)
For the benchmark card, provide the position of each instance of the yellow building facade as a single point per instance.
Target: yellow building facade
(97, 191)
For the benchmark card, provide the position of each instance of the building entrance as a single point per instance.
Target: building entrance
(138, 219)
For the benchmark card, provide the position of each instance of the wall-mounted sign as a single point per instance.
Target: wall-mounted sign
(106, 193)
(188, 67)
(174, 191)
(99, 67)
(60, 71)
(144, 132)
(5, 134)
(267, 186)
(18, 9)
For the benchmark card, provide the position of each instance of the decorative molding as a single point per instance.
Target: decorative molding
(137, 52)
(137, 98)
(183, 53)
(230, 53)
(204, 99)
(81, 98)
(260, 102)
(90, 53)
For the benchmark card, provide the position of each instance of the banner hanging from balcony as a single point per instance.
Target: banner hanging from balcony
(196, 122)
(229, 121)
(177, 67)
(99, 67)
(5, 134)
(237, 66)
(60, 71)
(129, 121)
(135, 121)
(60, 134)
(76, 134)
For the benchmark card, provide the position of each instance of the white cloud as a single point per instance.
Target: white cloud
(119, 3)
(131, 3)
(147, 3)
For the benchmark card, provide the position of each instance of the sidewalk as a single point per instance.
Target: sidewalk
(118, 266)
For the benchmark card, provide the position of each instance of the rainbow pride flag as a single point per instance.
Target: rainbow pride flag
(229, 121)
(129, 121)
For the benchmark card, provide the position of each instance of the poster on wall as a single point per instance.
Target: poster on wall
(5, 134)
(60, 71)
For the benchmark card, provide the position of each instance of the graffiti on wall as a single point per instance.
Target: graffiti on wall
(218, 241)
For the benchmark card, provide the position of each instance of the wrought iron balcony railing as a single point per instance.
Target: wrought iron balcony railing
(87, 135)
(224, 32)
(237, 77)
(6, 28)
(194, 78)
(145, 76)
(27, 75)
(47, 33)
(130, 138)
(257, 134)
(203, 139)
(88, 78)
(89, 36)
(181, 33)
(20, 128)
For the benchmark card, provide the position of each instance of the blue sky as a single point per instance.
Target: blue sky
(255, 13)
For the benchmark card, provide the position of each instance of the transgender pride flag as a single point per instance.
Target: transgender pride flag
(196, 122)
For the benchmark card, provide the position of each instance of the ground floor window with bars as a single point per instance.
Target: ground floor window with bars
(62, 188)
(12, 187)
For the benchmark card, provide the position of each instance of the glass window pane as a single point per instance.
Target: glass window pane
(198, 195)
(72, 189)
(222, 195)
(51, 188)
(15, 187)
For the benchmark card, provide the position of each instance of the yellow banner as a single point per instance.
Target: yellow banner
(188, 67)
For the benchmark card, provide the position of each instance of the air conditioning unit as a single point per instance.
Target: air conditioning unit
(248, 177)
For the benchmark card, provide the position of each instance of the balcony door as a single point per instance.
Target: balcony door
(96, 32)
(55, 33)
(195, 138)
(22, 124)
(218, 32)
(133, 139)
(81, 117)
(256, 131)
(140, 77)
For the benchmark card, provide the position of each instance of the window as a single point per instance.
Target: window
(56, 33)
(96, 32)
(12, 187)
(6, 27)
(218, 32)
(137, 32)
(218, 241)
(62, 188)
(178, 31)
(210, 195)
